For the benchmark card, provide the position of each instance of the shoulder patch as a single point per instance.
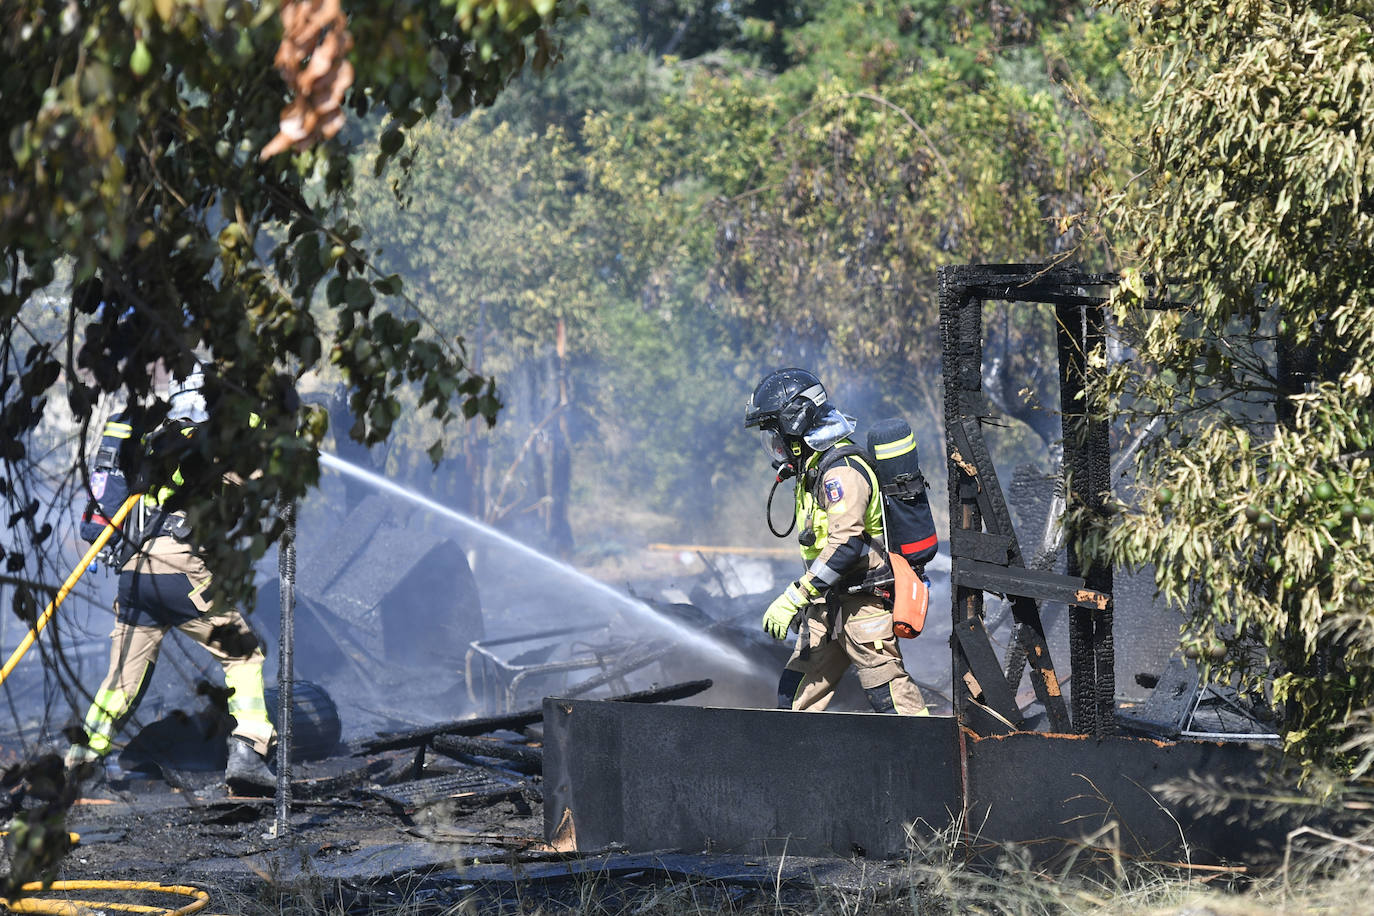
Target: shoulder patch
(833, 491)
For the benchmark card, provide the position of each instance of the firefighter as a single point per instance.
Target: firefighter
(163, 583)
(837, 605)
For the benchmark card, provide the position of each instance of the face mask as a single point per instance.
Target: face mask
(776, 446)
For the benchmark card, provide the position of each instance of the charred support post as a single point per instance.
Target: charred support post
(961, 331)
(1087, 470)
(286, 561)
(1099, 575)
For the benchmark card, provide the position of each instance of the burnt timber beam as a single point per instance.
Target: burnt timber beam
(1087, 470)
(1030, 633)
(984, 678)
(1040, 584)
(986, 548)
(961, 342)
(973, 459)
(465, 748)
(470, 727)
(1051, 296)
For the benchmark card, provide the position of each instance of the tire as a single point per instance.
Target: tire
(315, 725)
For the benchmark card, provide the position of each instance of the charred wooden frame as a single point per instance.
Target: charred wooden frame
(985, 554)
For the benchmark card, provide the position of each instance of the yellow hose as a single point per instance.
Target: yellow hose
(77, 573)
(199, 899)
(74, 837)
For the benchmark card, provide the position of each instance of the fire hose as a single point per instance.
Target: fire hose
(27, 642)
(200, 899)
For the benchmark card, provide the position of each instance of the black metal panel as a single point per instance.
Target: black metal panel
(744, 780)
(1166, 712)
(1033, 788)
(758, 781)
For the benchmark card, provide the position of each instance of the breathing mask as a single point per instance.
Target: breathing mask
(776, 446)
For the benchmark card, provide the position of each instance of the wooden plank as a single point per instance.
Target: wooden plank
(983, 665)
(975, 545)
(515, 720)
(1030, 583)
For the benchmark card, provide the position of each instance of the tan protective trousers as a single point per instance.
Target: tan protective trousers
(133, 654)
(866, 641)
(134, 650)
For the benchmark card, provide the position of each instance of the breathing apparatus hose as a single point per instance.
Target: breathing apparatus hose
(769, 508)
(27, 642)
(200, 899)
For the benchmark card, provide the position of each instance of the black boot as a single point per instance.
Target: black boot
(880, 698)
(247, 772)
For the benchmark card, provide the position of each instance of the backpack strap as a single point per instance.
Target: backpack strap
(830, 459)
(845, 453)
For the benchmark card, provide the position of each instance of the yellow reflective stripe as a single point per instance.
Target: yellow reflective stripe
(246, 702)
(118, 430)
(894, 449)
(107, 706)
(254, 420)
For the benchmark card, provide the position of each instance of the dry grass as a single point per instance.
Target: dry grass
(1324, 877)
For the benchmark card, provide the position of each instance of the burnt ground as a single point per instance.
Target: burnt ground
(372, 827)
(369, 832)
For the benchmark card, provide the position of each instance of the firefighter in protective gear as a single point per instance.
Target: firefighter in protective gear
(839, 620)
(163, 584)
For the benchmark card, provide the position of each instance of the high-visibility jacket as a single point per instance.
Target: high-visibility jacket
(840, 520)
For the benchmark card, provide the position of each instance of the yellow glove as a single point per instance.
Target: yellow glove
(780, 614)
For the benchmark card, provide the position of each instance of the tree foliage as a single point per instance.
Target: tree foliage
(1258, 508)
(133, 133)
(712, 217)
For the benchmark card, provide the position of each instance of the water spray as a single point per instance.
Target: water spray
(682, 634)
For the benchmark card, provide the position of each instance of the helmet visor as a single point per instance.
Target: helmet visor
(776, 446)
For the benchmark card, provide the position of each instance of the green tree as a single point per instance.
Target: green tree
(729, 220)
(1257, 504)
(832, 220)
(137, 157)
(604, 273)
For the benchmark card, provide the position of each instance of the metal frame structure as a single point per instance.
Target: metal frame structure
(498, 672)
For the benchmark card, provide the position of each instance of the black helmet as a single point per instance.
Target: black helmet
(788, 400)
